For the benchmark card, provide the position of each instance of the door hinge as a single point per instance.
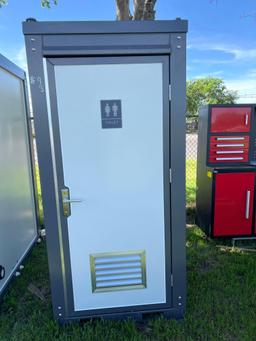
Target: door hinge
(170, 92)
(171, 280)
(170, 174)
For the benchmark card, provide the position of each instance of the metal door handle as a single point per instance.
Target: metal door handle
(66, 201)
(247, 205)
(246, 119)
(72, 201)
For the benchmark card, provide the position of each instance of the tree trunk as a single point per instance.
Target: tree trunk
(149, 12)
(143, 10)
(123, 10)
(138, 9)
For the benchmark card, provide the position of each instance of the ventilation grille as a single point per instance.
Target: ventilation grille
(118, 271)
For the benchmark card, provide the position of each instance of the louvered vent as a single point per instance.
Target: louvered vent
(118, 271)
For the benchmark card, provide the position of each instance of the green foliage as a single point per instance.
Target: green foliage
(40, 211)
(3, 2)
(207, 90)
(44, 3)
(47, 3)
(190, 181)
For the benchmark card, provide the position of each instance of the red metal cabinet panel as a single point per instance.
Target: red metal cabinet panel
(233, 204)
(230, 119)
(229, 149)
(231, 157)
(228, 140)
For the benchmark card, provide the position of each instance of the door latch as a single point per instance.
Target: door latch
(66, 201)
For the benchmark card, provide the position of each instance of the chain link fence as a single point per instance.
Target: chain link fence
(191, 159)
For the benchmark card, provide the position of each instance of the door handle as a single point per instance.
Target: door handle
(66, 201)
(72, 201)
(247, 205)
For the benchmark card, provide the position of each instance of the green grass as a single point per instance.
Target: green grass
(39, 196)
(221, 298)
(190, 182)
(221, 302)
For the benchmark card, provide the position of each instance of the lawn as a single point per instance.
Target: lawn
(221, 302)
(190, 181)
(221, 298)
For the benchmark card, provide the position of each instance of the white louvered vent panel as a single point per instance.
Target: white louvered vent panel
(118, 271)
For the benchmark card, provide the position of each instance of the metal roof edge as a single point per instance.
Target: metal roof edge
(101, 27)
(9, 66)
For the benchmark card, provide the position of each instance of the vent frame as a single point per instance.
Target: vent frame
(140, 253)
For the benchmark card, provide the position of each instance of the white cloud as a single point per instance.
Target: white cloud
(229, 53)
(237, 53)
(209, 74)
(246, 88)
(252, 73)
(20, 58)
(210, 61)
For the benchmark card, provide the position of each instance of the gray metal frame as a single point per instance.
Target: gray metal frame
(13, 69)
(59, 178)
(127, 41)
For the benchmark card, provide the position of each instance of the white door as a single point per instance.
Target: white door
(111, 134)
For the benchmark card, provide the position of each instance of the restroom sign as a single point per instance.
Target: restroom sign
(111, 113)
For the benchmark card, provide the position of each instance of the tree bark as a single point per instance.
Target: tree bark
(143, 9)
(123, 10)
(138, 9)
(149, 12)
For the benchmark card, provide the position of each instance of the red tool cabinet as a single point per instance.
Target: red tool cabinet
(231, 134)
(226, 170)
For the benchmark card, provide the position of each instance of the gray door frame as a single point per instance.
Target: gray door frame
(44, 41)
(60, 181)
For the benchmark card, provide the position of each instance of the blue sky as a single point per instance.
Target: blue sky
(221, 39)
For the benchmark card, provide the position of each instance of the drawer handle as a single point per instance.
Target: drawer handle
(230, 152)
(229, 158)
(247, 205)
(229, 138)
(246, 119)
(231, 145)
